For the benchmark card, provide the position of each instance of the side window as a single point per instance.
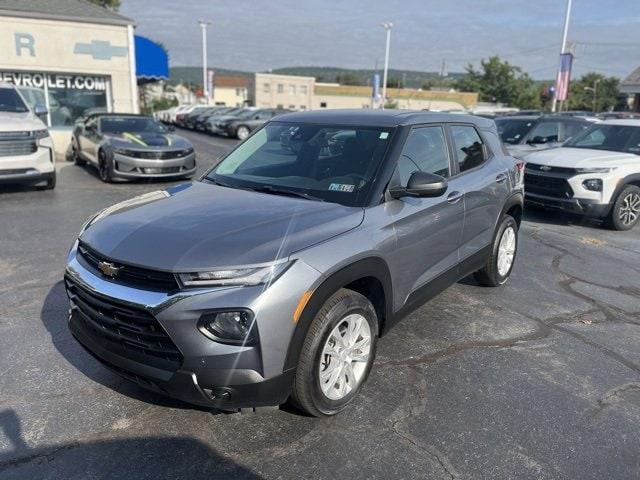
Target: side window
(424, 151)
(469, 147)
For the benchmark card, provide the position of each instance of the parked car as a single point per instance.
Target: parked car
(274, 276)
(26, 149)
(201, 121)
(596, 174)
(241, 125)
(131, 146)
(189, 119)
(523, 134)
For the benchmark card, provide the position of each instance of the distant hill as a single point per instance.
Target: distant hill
(412, 78)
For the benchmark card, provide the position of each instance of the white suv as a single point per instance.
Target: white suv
(26, 149)
(596, 173)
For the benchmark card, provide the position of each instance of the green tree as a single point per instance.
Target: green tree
(348, 79)
(110, 4)
(498, 81)
(581, 95)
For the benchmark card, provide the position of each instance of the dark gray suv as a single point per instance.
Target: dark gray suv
(273, 277)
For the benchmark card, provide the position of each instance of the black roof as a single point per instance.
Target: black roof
(381, 118)
(69, 10)
(544, 118)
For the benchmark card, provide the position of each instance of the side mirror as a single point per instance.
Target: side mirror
(40, 110)
(91, 128)
(421, 184)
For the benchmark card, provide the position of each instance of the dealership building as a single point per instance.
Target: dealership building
(70, 55)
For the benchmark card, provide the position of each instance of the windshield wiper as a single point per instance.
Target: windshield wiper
(284, 191)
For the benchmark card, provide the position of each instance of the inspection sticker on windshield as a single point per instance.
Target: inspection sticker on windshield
(341, 187)
(384, 135)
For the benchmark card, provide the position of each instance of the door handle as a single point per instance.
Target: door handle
(454, 197)
(501, 178)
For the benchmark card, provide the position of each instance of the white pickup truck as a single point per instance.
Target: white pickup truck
(26, 149)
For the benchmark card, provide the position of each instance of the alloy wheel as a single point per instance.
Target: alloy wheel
(506, 251)
(344, 358)
(243, 132)
(630, 209)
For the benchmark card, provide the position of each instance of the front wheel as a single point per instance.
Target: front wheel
(626, 209)
(242, 132)
(337, 354)
(105, 167)
(498, 266)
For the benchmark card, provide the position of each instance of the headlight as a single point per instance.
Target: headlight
(237, 277)
(595, 170)
(233, 326)
(121, 151)
(38, 134)
(593, 184)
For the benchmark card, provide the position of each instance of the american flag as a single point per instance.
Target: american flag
(564, 75)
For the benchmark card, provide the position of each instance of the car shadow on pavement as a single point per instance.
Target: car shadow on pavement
(141, 457)
(558, 217)
(54, 316)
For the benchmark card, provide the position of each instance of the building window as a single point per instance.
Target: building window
(280, 88)
(303, 89)
(280, 106)
(303, 107)
(267, 88)
(323, 104)
(292, 107)
(292, 89)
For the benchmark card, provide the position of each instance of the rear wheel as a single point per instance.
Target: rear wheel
(242, 132)
(75, 156)
(105, 167)
(337, 354)
(626, 209)
(498, 266)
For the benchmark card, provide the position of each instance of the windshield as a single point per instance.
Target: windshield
(615, 138)
(131, 124)
(10, 101)
(512, 130)
(330, 163)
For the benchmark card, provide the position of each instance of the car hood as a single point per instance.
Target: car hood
(523, 150)
(198, 226)
(580, 157)
(20, 122)
(144, 139)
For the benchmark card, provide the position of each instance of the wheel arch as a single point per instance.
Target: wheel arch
(369, 277)
(514, 206)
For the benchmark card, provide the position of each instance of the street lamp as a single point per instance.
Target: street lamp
(387, 26)
(205, 90)
(594, 89)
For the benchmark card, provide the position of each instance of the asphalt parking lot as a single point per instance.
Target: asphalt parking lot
(538, 379)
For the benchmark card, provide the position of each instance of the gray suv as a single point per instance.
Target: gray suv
(273, 277)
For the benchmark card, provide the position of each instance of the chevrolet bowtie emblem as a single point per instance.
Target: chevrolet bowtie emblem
(545, 168)
(109, 269)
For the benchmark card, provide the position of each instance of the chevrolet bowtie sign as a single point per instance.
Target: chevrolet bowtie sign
(100, 50)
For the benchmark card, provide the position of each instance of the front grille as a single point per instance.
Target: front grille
(128, 275)
(130, 332)
(159, 155)
(157, 171)
(547, 185)
(534, 167)
(13, 148)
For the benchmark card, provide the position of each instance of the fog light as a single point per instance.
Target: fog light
(234, 326)
(593, 184)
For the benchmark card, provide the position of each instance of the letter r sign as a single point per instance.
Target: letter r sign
(25, 41)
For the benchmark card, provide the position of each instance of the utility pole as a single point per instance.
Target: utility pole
(205, 89)
(594, 89)
(567, 15)
(387, 26)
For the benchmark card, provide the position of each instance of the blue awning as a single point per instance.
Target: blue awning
(152, 62)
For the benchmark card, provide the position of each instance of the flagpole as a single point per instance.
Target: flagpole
(562, 50)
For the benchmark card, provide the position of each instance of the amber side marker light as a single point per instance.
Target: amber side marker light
(301, 304)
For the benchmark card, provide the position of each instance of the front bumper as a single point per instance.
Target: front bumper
(34, 168)
(587, 207)
(208, 373)
(130, 167)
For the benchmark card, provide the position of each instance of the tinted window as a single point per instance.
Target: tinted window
(424, 151)
(555, 131)
(335, 164)
(10, 101)
(130, 124)
(513, 130)
(617, 138)
(469, 147)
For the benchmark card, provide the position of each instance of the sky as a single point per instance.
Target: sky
(262, 34)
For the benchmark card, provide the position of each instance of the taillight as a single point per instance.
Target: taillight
(520, 166)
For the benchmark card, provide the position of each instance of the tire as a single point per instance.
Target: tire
(309, 393)
(625, 212)
(75, 156)
(494, 274)
(242, 132)
(105, 167)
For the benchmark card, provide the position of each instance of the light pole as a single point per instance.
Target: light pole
(205, 90)
(594, 89)
(563, 48)
(387, 26)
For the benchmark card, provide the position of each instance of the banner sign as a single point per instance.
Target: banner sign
(376, 87)
(564, 76)
(210, 82)
(62, 81)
